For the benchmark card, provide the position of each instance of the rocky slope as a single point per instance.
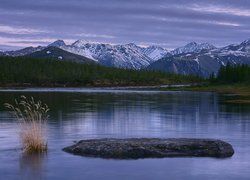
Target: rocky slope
(205, 61)
(23, 52)
(193, 47)
(58, 54)
(128, 56)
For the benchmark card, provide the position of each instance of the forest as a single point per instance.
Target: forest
(21, 71)
(232, 74)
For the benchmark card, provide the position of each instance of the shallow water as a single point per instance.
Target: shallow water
(97, 113)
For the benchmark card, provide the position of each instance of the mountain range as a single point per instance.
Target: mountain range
(201, 59)
(205, 61)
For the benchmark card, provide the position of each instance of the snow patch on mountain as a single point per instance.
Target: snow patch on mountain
(193, 47)
(155, 52)
(80, 43)
(197, 60)
(132, 56)
(79, 51)
(128, 56)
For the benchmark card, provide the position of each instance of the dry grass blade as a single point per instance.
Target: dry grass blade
(32, 117)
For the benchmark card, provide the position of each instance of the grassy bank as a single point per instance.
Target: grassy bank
(231, 79)
(240, 91)
(17, 72)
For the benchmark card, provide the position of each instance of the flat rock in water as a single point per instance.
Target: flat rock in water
(151, 148)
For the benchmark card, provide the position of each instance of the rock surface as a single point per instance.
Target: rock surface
(151, 148)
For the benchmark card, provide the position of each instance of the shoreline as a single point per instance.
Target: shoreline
(240, 90)
(123, 87)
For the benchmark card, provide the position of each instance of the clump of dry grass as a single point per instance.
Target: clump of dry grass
(32, 117)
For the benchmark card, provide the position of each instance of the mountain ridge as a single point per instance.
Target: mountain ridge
(52, 52)
(194, 58)
(205, 62)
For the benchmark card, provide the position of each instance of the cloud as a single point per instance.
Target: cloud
(171, 23)
(88, 35)
(228, 24)
(205, 8)
(20, 30)
(25, 42)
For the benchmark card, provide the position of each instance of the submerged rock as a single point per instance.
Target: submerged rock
(151, 148)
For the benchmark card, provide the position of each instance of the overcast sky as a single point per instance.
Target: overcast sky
(168, 23)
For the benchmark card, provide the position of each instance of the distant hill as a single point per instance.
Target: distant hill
(56, 53)
(2, 53)
(24, 51)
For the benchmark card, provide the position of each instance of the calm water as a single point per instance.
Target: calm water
(82, 114)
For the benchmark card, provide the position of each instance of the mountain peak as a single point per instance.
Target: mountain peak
(154, 52)
(192, 44)
(200, 45)
(131, 45)
(193, 47)
(246, 42)
(80, 43)
(58, 43)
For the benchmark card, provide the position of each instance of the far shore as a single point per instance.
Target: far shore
(110, 86)
(241, 90)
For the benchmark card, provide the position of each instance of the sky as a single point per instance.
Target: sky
(167, 23)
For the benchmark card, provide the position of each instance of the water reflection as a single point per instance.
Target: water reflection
(137, 114)
(32, 166)
(76, 116)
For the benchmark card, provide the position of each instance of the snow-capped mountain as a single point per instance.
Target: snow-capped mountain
(81, 43)
(155, 52)
(204, 62)
(193, 47)
(129, 56)
(242, 49)
(77, 47)
(58, 43)
(246, 43)
(56, 53)
(198, 59)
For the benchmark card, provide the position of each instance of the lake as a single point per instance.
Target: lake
(98, 113)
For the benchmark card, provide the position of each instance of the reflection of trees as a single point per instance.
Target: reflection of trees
(226, 106)
(93, 102)
(141, 113)
(116, 113)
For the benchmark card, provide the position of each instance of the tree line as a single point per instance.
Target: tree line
(43, 72)
(232, 74)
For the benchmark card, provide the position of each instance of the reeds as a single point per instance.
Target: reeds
(32, 117)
